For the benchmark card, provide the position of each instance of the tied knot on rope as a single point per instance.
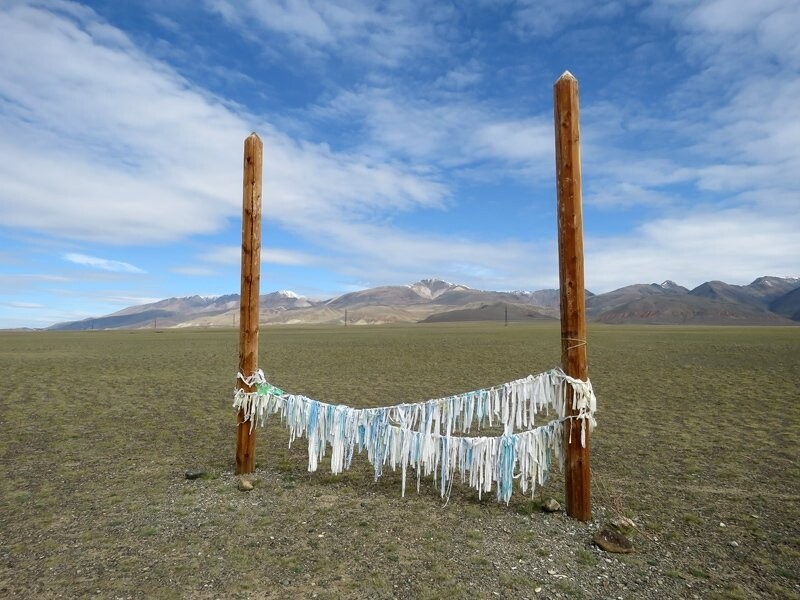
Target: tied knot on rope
(257, 378)
(584, 403)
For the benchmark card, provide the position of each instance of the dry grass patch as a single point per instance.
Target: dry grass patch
(698, 426)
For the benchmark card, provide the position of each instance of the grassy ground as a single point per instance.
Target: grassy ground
(698, 427)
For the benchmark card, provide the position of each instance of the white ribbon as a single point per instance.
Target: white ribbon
(420, 435)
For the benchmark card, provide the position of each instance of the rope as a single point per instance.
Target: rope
(581, 342)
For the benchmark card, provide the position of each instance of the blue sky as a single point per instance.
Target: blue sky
(402, 140)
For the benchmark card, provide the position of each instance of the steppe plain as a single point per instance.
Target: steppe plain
(698, 442)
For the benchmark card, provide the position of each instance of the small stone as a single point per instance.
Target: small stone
(196, 473)
(537, 590)
(551, 505)
(612, 541)
(245, 485)
(622, 524)
(721, 524)
(733, 544)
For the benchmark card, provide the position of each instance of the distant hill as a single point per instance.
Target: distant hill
(171, 312)
(188, 311)
(689, 310)
(711, 303)
(394, 295)
(788, 305)
(488, 312)
(760, 293)
(604, 303)
(767, 300)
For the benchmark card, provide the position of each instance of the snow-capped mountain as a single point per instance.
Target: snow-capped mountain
(771, 300)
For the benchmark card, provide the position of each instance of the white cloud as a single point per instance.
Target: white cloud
(380, 254)
(26, 279)
(734, 245)
(726, 134)
(521, 140)
(462, 76)
(545, 18)
(445, 131)
(131, 300)
(624, 195)
(192, 271)
(730, 37)
(361, 30)
(232, 255)
(277, 256)
(136, 154)
(112, 128)
(743, 142)
(22, 305)
(104, 264)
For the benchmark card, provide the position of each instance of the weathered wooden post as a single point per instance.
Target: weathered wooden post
(573, 295)
(251, 278)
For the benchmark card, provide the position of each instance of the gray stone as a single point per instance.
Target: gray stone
(612, 541)
(551, 505)
(196, 474)
(622, 524)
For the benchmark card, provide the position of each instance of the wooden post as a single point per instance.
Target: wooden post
(573, 294)
(251, 278)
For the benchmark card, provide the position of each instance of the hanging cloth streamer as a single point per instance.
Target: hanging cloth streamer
(421, 435)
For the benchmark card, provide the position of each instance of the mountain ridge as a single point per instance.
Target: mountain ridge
(766, 300)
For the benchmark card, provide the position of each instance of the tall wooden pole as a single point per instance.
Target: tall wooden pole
(573, 295)
(251, 279)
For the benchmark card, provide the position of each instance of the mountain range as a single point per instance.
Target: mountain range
(767, 300)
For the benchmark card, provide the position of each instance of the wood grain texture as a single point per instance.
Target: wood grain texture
(251, 280)
(573, 293)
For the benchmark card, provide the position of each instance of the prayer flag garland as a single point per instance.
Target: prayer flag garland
(421, 435)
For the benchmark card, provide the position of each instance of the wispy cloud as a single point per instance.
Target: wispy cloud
(131, 300)
(232, 255)
(193, 271)
(104, 264)
(72, 88)
(13, 280)
(461, 76)
(22, 304)
(444, 131)
(682, 247)
(545, 18)
(384, 33)
(380, 254)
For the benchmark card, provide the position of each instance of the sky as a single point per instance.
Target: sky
(402, 140)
